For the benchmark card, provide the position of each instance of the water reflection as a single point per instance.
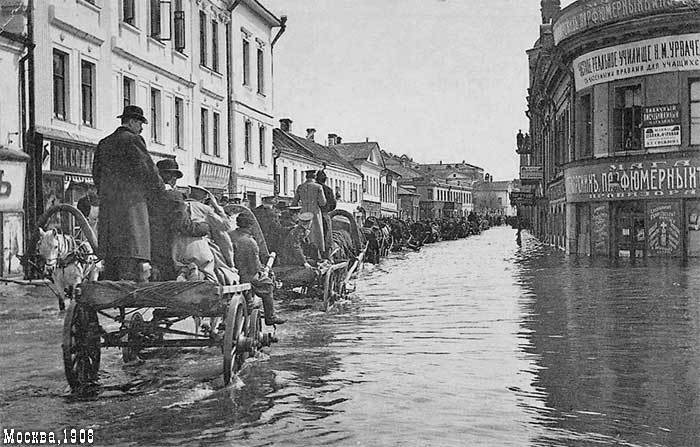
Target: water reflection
(616, 345)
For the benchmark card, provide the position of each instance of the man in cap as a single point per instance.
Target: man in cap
(293, 246)
(311, 196)
(169, 217)
(250, 269)
(268, 218)
(126, 180)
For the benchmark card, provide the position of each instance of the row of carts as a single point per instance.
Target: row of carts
(135, 316)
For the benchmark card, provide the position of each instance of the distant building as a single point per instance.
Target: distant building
(494, 197)
(367, 158)
(409, 201)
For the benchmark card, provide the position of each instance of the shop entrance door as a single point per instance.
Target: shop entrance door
(631, 230)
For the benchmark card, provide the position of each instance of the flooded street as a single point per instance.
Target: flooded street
(472, 342)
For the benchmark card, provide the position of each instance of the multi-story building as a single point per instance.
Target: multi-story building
(294, 155)
(12, 160)
(108, 54)
(254, 31)
(614, 107)
(366, 157)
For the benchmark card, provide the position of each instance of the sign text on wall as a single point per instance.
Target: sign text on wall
(677, 178)
(584, 15)
(645, 57)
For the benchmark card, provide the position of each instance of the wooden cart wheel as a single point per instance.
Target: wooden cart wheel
(133, 338)
(254, 331)
(81, 346)
(234, 323)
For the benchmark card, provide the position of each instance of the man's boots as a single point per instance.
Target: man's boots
(269, 308)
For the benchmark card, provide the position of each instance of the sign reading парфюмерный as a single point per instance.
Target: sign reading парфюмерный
(586, 14)
(649, 179)
(645, 57)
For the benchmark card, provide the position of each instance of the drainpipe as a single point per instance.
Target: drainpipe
(233, 177)
(283, 28)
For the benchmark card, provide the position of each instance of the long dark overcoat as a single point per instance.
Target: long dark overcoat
(310, 195)
(126, 179)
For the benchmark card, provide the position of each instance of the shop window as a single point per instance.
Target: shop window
(179, 35)
(695, 111)
(155, 115)
(248, 130)
(128, 13)
(204, 129)
(285, 180)
(246, 62)
(214, 46)
(202, 38)
(179, 122)
(60, 84)
(261, 144)
(627, 118)
(87, 81)
(585, 126)
(216, 137)
(128, 90)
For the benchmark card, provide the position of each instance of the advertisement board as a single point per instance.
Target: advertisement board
(531, 173)
(662, 136)
(641, 58)
(522, 198)
(586, 14)
(675, 177)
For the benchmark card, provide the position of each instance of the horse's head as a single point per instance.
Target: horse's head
(48, 248)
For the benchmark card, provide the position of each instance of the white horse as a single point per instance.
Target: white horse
(68, 262)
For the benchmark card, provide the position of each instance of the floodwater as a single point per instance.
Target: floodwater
(475, 342)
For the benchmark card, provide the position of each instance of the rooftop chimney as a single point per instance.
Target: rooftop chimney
(310, 134)
(332, 139)
(286, 124)
(549, 8)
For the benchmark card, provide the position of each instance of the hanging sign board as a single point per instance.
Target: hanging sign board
(531, 173)
(663, 115)
(662, 136)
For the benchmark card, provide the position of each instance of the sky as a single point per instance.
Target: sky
(438, 80)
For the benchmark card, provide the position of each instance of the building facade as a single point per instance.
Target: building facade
(367, 158)
(494, 197)
(253, 33)
(107, 55)
(614, 107)
(295, 155)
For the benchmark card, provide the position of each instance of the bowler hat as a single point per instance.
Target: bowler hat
(306, 217)
(169, 165)
(133, 112)
(269, 199)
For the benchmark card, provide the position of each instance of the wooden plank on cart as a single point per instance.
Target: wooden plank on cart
(190, 297)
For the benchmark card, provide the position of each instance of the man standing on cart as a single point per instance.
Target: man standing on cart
(126, 180)
(312, 198)
(247, 260)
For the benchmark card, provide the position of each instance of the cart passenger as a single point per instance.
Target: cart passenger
(293, 253)
(247, 259)
(168, 218)
(268, 218)
(126, 180)
(330, 205)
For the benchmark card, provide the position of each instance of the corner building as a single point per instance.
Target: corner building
(614, 108)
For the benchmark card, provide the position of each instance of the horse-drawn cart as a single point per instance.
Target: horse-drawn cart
(235, 329)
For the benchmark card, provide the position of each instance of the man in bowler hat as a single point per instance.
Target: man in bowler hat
(127, 180)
